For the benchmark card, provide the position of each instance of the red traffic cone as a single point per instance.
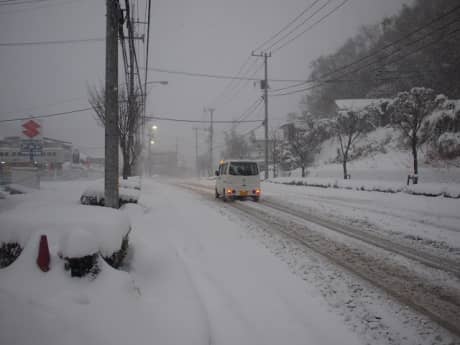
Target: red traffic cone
(43, 260)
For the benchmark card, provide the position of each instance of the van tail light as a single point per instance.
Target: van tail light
(257, 192)
(229, 191)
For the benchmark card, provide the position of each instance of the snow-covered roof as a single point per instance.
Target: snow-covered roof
(358, 104)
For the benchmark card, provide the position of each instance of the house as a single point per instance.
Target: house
(295, 123)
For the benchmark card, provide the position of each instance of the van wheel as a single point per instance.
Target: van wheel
(255, 198)
(224, 197)
(217, 194)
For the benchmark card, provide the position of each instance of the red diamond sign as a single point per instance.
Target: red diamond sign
(31, 128)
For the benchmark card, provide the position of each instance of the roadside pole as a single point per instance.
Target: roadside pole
(111, 106)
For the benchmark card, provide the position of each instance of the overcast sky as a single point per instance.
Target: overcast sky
(204, 36)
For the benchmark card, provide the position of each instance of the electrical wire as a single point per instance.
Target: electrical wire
(260, 46)
(65, 113)
(159, 118)
(218, 76)
(389, 45)
(378, 67)
(20, 2)
(300, 24)
(38, 43)
(335, 9)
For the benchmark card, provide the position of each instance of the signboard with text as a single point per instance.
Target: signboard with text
(31, 148)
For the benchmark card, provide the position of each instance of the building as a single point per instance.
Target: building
(46, 151)
(295, 123)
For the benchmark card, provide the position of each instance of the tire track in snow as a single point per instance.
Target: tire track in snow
(441, 304)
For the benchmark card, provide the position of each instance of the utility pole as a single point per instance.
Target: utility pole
(131, 115)
(111, 105)
(211, 133)
(264, 86)
(196, 152)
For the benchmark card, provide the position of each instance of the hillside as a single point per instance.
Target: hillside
(381, 155)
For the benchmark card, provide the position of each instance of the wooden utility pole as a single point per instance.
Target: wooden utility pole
(111, 105)
(211, 134)
(264, 86)
(196, 152)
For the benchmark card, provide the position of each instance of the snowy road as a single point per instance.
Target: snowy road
(404, 276)
(248, 295)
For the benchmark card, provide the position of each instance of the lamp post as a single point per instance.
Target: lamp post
(152, 131)
(154, 127)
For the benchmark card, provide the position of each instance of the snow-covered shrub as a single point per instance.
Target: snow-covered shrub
(82, 266)
(8, 253)
(94, 195)
(79, 249)
(449, 145)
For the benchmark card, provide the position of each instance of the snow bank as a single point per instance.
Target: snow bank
(156, 303)
(14, 188)
(426, 189)
(77, 243)
(107, 226)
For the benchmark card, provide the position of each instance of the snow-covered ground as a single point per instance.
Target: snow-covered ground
(431, 222)
(193, 277)
(381, 158)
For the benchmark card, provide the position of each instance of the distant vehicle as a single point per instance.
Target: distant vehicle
(238, 179)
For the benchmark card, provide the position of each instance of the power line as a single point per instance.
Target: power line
(259, 47)
(300, 24)
(84, 40)
(362, 59)
(219, 76)
(335, 9)
(147, 56)
(20, 2)
(197, 121)
(47, 115)
(38, 7)
(389, 45)
(233, 85)
(240, 86)
(378, 67)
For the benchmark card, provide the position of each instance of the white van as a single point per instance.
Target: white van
(238, 179)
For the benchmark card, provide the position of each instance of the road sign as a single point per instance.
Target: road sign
(31, 147)
(31, 129)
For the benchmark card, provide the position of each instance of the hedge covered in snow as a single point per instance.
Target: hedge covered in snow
(73, 231)
(128, 191)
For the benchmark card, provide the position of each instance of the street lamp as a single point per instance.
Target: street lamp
(151, 142)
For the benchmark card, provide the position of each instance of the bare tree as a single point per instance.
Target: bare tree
(127, 125)
(410, 109)
(276, 148)
(349, 126)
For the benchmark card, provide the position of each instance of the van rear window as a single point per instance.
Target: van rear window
(243, 169)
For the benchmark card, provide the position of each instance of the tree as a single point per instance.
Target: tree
(236, 145)
(307, 141)
(410, 110)
(276, 149)
(127, 125)
(349, 126)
